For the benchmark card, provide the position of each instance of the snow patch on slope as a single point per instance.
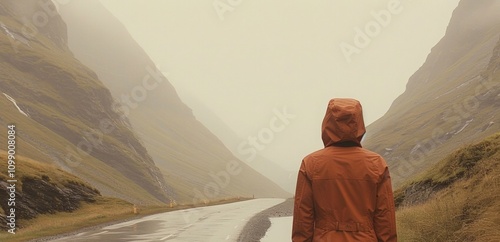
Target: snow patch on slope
(465, 126)
(14, 36)
(478, 77)
(15, 104)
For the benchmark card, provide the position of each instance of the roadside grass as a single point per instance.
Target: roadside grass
(436, 220)
(461, 213)
(26, 167)
(104, 211)
(467, 209)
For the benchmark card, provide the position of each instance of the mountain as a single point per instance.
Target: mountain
(279, 175)
(63, 113)
(453, 99)
(194, 161)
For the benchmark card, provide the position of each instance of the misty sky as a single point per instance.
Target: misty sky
(261, 56)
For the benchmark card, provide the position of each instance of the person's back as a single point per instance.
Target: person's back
(343, 191)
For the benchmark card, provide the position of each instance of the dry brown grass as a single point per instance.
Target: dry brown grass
(26, 167)
(104, 210)
(468, 210)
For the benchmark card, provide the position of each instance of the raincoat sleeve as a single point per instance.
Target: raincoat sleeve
(303, 211)
(385, 219)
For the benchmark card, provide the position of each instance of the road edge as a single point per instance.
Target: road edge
(255, 229)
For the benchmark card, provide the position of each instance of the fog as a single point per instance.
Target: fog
(242, 64)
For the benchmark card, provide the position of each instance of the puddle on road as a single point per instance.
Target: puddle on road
(130, 232)
(145, 227)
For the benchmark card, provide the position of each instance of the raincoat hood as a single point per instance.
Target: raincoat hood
(343, 122)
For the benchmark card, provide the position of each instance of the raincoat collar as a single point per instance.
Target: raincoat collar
(343, 123)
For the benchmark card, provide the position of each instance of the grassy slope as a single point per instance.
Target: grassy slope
(181, 146)
(32, 82)
(35, 140)
(467, 204)
(446, 94)
(430, 115)
(26, 167)
(193, 154)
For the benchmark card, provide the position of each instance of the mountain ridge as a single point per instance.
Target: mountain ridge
(70, 118)
(188, 154)
(450, 100)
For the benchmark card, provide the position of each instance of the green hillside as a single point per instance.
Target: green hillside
(458, 199)
(70, 120)
(450, 101)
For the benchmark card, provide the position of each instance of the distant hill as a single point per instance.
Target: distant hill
(194, 161)
(457, 200)
(453, 99)
(276, 173)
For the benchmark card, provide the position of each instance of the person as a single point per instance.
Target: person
(344, 191)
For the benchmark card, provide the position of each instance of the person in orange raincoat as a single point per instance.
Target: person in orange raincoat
(344, 191)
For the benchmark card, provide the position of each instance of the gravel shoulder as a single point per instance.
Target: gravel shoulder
(258, 225)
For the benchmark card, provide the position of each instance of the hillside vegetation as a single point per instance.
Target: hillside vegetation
(39, 189)
(64, 114)
(452, 100)
(458, 199)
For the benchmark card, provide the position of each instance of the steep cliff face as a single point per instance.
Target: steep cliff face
(451, 100)
(194, 161)
(63, 112)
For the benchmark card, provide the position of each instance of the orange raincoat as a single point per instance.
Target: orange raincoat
(344, 191)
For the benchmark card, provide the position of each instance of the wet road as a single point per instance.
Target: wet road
(216, 223)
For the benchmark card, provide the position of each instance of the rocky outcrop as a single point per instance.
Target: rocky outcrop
(463, 164)
(41, 196)
(416, 193)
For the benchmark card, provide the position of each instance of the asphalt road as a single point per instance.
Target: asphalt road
(216, 223)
